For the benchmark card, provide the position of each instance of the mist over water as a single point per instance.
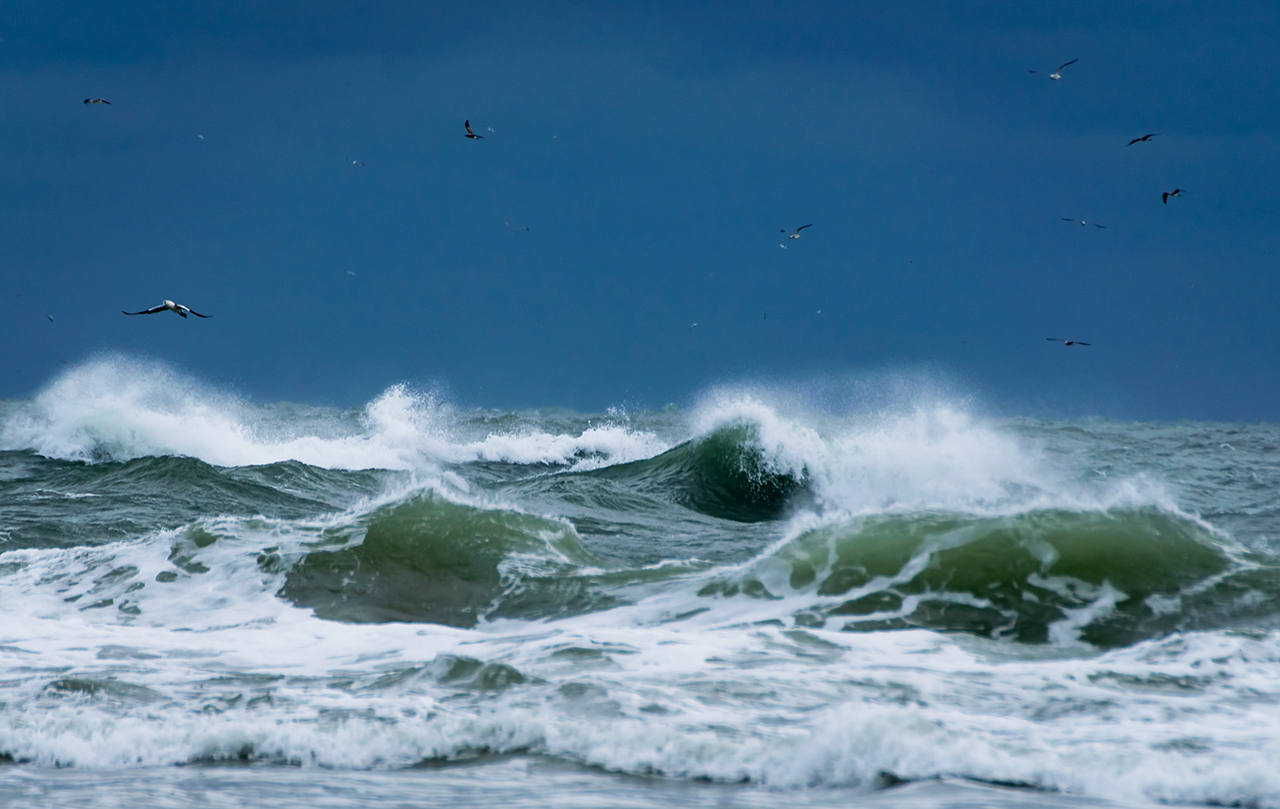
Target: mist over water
(822, 592)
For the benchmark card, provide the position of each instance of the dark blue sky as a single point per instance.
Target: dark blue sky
(654, 150)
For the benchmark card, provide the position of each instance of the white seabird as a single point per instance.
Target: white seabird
(168, 305)
(1067, 342)
(1082, 222)
(795, 234)
(1057, 74)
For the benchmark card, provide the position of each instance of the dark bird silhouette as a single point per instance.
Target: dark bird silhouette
(170, 306)
(471, 134)
(96, 101)
(1145, 138)
(1174, 193)
(1067, 342)
(1057, 74)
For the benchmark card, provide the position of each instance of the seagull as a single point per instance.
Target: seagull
(1174, 193)
(1067, 342)
(358, 163)
(1144, 139)
(176, 308)
(471, 134)
(96, 101)
(1057, 74)
(796, 233)
(1082, 222)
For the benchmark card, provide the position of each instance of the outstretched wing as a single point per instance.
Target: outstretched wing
(197, 314)
(1055, 339)
(802, 227)
(1065, 64)
(1081, 343)
(150, 311)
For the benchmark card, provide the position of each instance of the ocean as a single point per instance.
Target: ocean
(759, 599)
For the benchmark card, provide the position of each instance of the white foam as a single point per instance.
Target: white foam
(926, 455)
(124, 408)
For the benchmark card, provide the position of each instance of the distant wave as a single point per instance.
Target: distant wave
(115, 408)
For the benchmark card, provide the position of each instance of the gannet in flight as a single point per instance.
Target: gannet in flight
(795, 234)
(1174, 193)
(471, 134)
(96, 101)
(1144, 139)
(176, 308)
(1067, 342)
(1082, 222)
(1057, 74)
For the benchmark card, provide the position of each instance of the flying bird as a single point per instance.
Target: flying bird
(795, 234)
(1082, 222)
(1067, 342)
(96, 101)
(471, 134)
(1057, 74)
(169, 305)
(1174, 193)
(1144, 139)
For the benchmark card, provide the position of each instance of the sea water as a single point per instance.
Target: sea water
(759, 599)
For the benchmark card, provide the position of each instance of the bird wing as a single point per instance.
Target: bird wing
(802, 227)
(1065, 64)
(1165, 198)
(194, 312)
(1069, 219)
(1054, 339)
(150, 311)
(1135, 140)
(1104, 227)
(1082, 343)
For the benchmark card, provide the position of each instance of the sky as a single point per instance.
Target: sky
(298, 171)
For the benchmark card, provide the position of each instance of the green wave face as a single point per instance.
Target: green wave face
(726, 475)
(431, 560)
(1107, 578)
